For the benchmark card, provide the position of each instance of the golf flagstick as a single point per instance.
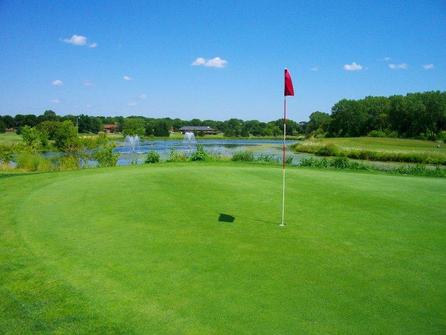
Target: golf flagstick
(283, 162)
(289, 90)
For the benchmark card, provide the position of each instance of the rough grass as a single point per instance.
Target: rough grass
(377, 149)
(10, 138)
(140, 250)
(384, 144)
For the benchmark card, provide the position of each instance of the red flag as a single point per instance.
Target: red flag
(289, 90)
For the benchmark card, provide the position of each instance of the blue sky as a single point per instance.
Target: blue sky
(74, 56)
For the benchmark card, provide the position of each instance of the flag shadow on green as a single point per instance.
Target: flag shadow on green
(226, 218)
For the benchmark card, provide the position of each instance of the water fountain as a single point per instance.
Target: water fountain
(189, 142)
(132, 142)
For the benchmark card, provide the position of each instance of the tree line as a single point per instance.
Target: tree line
(150, 126)
(415, 115)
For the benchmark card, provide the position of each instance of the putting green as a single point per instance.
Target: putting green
(141, 250)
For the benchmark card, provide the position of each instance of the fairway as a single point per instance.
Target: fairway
(385, 144)
(141, 250)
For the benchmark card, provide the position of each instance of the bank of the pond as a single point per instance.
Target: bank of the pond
(223, 148)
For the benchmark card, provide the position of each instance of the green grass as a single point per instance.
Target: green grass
(140, 250)
(385, 144)
(10, 138)
(377, 149)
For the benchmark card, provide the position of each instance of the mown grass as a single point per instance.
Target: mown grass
(140, 250)
(384, 144)
(377, 149)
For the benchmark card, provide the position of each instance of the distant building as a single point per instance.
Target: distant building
(198, 129)
(111, 128)
(10, 130)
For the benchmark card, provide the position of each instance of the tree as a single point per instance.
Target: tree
(319, 121)
(66, 138)
(9, 121)
(348, 119)
(2, 125)
(34, 138)
(49, 115)
(161, 129)
(133, 126)
(88, 124)
(31, 137)
(233, 127)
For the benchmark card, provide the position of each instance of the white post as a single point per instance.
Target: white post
(283, 163)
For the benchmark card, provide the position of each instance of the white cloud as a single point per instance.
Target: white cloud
(88, 106)
(314, 68)
(402, 66)
(428, 66)
(216, 62)
(57, 82)
(199, 61)
(79, 40)
(127, 78)
(142, 96)
(88, 83)
(213, 62)
(76, 40)
(132, 103)
(386, 59)
(353, 67)
(55, 101)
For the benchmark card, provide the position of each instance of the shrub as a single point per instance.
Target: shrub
(442, 136)
(314, 162)
(328, 150)
(265, 158)
(340, 163)
(420, 170)
(105, 156)
(200, 154)
(246, 156)
(69, 163)
(6, 153)
(152, 157)
(377, 133)
(392, 134)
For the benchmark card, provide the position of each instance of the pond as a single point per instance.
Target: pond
(219, 147)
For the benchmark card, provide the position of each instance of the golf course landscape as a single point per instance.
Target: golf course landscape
(222, 168)
(150, 250)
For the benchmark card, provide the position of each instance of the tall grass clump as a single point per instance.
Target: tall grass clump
(31, 161)
(67, 163)
(345, 163)
(177, 156)
(245, 156)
